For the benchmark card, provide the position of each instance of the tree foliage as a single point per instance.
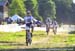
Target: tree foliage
(46, 8)
(17, 7)
(32, 5)
(62, 10)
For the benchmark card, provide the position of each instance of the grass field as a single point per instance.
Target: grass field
(40, 40)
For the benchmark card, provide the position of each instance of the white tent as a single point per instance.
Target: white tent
(15, 17)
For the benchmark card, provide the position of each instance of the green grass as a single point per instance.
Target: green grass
(9, 40)
(71, 39)
(4, 36)
(6, 47)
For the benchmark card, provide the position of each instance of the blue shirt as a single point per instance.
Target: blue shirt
(29, 20)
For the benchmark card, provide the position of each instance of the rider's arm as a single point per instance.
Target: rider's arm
(34, 19)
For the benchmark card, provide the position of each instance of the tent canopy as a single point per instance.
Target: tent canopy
(15, 17)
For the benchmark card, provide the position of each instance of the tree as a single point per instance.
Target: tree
(46, 8)
(36, 13)
(32, 5)
(9, 1)
(17, 7)
(63, 10)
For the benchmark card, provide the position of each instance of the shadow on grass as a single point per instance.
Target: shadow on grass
(42, 49)
(19, 35)
(14, 44)
(6, 42)
(39, 35)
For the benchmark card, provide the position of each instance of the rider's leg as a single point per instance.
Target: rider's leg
(29, 37)
(26, 38)
(31, 33)
(30, 41)
(47, 30)
(54, 30)
(32, 29)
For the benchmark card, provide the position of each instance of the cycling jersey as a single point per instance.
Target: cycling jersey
(29, 21)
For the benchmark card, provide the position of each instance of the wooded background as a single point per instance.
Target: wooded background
(62, 10)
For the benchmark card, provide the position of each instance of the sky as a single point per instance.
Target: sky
(73, 1)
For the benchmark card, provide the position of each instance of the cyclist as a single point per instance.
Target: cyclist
(29, 22)
(48, 23)
(55, 24)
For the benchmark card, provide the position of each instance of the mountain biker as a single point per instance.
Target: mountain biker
(48, 23)
(55, 25)
(29, 19)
